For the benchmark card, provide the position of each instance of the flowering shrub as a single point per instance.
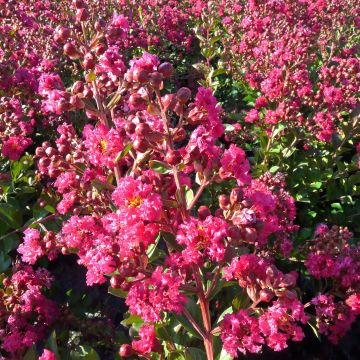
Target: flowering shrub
(165, 194)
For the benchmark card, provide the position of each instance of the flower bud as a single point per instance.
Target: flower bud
(100, 49)
(82, 14)
(155, 80)
(236, 196)
(71, 51)
(249, 234)
(142, 129)
(100, 25)
(125, 350)
(130, 128)
(77, 87)
(76, 102)
(224, 201)
(39, 151)
(203, 212)
(89, 62)
(169, 101)
(266, 295)
(247, 203)
(183, 95)
(116, 281)
(88, 93)
(140, 145)
(62, 34)
(180, 135)
(79, 4)
(140, 76)
(165, 69)
(136, 100)
(172, 157)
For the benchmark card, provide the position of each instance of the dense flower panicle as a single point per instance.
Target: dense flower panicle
(31, 249)
(147, 342)
(14, 146)
(353, 301)
(150, 297)
(66, 181)
(111, 64)
(234, 163)
(333, 319)
(207, 112)
(137, 200)
(280, 323)
(278, 50)
(247, 269)
(331, 256)
(202, 239)
(29, 313)
(240, 332)
(102, 144)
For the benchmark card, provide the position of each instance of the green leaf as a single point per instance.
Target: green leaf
(274, 169)
(152, 247)
(189, 195)
(314, 329)
(194, 354)
(5, 261)
(132, 319)
(52, 345)
(10, 215)
(117, 292)
(176, 355)
(84, 352)
(224, 356)
(195, 313)
(228, 310)
(160, 167)
(124, 152)
(229, 128)
(31, 354)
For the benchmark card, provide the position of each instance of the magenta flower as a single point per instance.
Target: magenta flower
(137, 200)
(31, 249)
(234, 163)
(240, 332)
(14, 147)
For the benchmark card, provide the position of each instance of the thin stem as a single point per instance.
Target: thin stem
(194, 323)
(213, 282)
(205, 313)
(174, 168)
(40, 221)
(198, 194)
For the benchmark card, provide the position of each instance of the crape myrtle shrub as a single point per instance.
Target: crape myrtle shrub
(198, 160)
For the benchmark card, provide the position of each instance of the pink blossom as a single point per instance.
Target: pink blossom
(247, 269)
(14, 147)
(137, 199)
(148, 342)
(31, 249)
(47, 355)
(202, 239)
(234, 163)
(152, 296)
(280, 323)
(240, 332)
(252, 116)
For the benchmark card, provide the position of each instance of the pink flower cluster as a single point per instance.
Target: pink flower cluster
(25, 313)
(280, 47)
(278, 324)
